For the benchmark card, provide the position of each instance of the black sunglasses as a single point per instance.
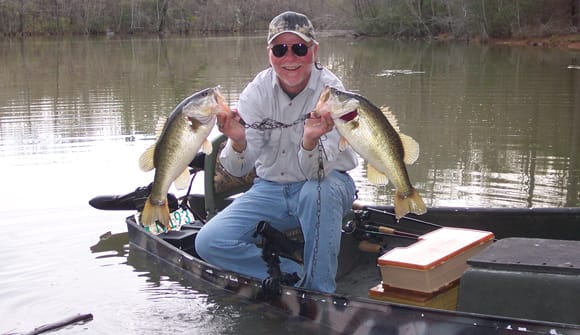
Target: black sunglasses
(299, 49)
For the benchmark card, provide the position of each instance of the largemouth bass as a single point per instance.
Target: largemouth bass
(184, 132)
(374, 134)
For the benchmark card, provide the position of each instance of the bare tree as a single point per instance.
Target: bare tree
(483, 22)
(162, 15)
(365, 8)
(21, 17)
(416, 10)
(575, 12)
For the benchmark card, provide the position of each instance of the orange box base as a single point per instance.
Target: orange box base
(436, 260)
(445, 298)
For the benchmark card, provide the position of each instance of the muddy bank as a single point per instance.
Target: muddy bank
(568, 41)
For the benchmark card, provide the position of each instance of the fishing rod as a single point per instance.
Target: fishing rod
(357, 206)
(377, 227)
(360, 224)
(371, 247)
(367, 246)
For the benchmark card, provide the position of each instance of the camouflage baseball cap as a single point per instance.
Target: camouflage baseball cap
(291, 22)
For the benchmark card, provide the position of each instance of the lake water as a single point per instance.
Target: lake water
(498, 127)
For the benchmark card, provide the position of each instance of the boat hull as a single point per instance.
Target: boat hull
(338, 313)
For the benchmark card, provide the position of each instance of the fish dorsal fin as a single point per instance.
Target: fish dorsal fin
(342, 144)
(391, 118)
(146, 160)
(182, 182)
(206, 147)
(411, 148)
(375, 176)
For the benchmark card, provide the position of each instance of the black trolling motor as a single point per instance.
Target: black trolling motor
(135, 200)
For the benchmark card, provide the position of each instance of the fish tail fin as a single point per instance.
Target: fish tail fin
(153, 213)
(412, 203)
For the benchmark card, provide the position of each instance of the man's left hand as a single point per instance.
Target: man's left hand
(319, 123)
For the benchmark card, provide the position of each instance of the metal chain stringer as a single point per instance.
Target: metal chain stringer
(320, 176)
(269, 124)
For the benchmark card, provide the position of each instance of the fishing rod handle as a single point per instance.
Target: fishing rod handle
(367, 246)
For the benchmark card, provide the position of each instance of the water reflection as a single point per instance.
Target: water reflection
(201, 307)
(111, 245)
(497, 126)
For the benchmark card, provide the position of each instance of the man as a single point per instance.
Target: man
(291, 190)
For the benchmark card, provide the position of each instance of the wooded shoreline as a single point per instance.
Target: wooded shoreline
(531, 22)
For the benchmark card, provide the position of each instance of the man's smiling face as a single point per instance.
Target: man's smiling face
(293, 71)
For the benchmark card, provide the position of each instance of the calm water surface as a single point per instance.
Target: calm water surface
(498, 126)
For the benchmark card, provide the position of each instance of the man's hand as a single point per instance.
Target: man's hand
(230, 124)
(319, 123)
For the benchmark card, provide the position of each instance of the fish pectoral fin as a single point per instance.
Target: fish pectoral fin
(206, 147)
(411, 148)
(146, 160)
(342, 144)
(375, 176)
(182, 182)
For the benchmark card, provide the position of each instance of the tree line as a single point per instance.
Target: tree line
(401, 18)
(468, 18)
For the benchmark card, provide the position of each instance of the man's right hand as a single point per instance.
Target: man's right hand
(230, 124)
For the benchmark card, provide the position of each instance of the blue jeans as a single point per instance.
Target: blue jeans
(227, 239)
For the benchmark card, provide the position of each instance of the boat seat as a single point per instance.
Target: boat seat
(219, 184)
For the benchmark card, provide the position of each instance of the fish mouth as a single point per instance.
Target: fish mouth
(220, 100)
(217, 95)
(204, 107)
(325, 95)
(342, 106)
(349, 109)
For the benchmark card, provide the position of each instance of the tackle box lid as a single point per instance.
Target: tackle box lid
(435, 248)
(531, 255)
